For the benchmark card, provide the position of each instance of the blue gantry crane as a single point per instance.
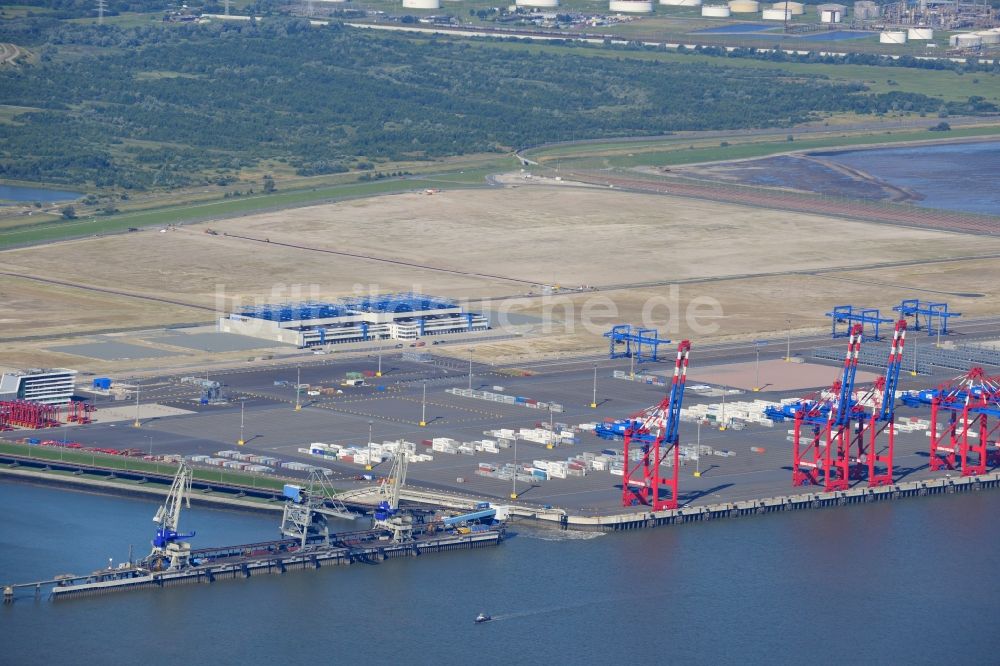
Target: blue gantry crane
(936, 315)
(849, 315)
(627, 341)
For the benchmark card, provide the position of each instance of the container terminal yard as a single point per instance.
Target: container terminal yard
(525, 435)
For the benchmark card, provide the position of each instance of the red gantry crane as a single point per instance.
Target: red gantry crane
(882, 398)
(656, 432)
(960, 428)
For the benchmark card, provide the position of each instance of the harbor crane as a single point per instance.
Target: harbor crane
(387, 513)
(882, 398)
(656, 431)
(824, 421)
(963, 406)
(170, 551)
(306, 510)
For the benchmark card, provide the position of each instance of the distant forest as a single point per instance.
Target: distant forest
(176, 105)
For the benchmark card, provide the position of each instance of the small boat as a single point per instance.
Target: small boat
(483, 617)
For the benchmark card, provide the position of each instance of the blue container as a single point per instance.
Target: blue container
(34, 440)
(519, 400)
(379, 388)
(102, 383)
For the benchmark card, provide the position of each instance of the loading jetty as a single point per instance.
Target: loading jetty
(210, 565)
(307, 542)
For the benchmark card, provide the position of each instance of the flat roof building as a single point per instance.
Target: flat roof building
(365, 318)
(48, 386)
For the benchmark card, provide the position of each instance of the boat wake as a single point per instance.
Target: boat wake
(562, 535)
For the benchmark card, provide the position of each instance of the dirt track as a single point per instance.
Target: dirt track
(856, 210)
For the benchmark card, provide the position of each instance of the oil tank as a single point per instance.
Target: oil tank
(537, 3)
(965, 40)
(989, 37)
(793, 8)
(715, 11)
(744, 6)
(892, 37)
(775, 15)
(920, 34)
(866, 9)
(422, 4)
(631, 6)
(681, 3)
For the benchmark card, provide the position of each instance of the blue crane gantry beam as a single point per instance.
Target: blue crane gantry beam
(850, 315)
(642, 343)
(936, 314)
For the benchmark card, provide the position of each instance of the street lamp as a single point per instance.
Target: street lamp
(593, 403)
(914, 371)
(470, 368)
(697, 452)
(722, 421)
(423, 407)
(788, 343)
(369, 465)
(378, 373)
(756, 367)
(136, 424)
(298, 389)
(513, 487)
(241, 441)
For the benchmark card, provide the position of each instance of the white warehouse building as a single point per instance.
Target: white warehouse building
(367, 318)
(49, 387)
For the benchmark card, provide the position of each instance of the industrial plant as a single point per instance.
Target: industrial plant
(404, 317)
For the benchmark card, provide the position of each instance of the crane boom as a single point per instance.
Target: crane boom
(843, 412)
(892, 368)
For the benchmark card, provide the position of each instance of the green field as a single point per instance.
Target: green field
(673, 152)
(51, 231)
(947, 85)
(125, 463)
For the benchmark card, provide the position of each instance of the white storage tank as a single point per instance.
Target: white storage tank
(793, 8)
(422, 4)
(920, 34)
(892, 37)
(744, 6)
(631, 6)
(775, 15)
(989, 36)
(965, 40)
(715, 11)
(866, 9)
(537, 3)
(830, 16)
(681, 3)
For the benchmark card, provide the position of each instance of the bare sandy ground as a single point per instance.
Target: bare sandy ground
(504, 242)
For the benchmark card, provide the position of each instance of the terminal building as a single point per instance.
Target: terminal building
(403, 317)
(48, 387)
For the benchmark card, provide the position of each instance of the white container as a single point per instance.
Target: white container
(631, 6)
(892, 37)
(715, 11)
(920, 34)
(422, 4)
(775, 15)
(681, 3)
(535, 3)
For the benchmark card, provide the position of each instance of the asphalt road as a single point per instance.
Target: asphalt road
(272, 426)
